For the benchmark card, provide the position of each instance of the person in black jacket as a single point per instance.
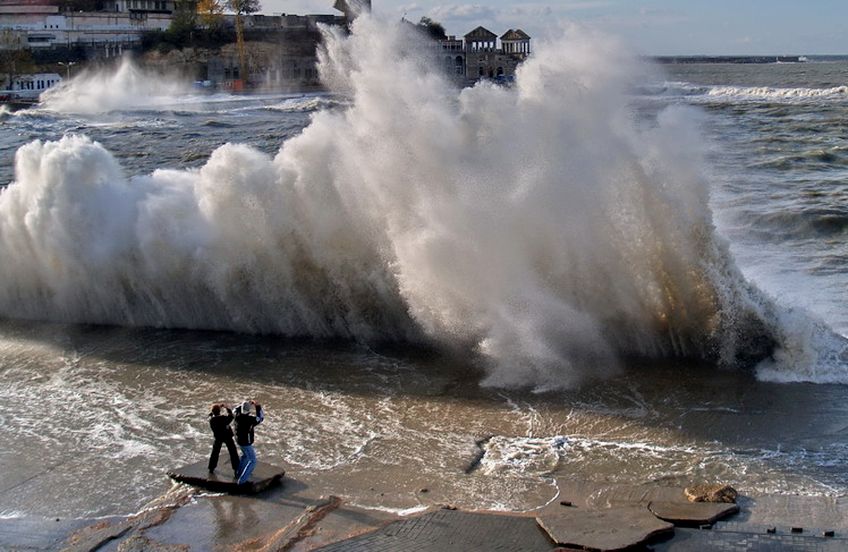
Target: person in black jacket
(245, 423)
(220, 425)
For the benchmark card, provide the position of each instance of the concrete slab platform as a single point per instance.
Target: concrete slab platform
(692, 514)
(695, 540)
(611, 529)
(452, 531)
(293, 517)
(795, 511)
(98, 535)
(263, 477)
(35, 533)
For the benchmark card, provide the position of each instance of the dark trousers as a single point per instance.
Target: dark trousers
(216, 449)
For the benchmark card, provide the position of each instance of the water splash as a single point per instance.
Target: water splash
(127, 87)
(534, 225)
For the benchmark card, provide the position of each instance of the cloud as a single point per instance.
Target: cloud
(644, 18)
(409, 8)
(539, 18)
(588, 5)
(546, 9)
(463, 12)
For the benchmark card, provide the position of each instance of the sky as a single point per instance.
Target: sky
(651, 27)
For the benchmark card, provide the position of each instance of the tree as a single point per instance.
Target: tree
(242, 7)
(434, 29)
(210, 13)
(12, 55)
(183, 22)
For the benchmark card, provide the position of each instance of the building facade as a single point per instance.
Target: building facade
(40, 25)
(481, 55)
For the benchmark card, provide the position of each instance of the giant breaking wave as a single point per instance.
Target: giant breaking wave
(535, 225)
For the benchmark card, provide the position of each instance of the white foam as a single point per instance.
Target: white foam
(306, 103)
(126, 87)
(535, 225)
(772, 93)
(536, 456)
(402, 512)
(811, 352)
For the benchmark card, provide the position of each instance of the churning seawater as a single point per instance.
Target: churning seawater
(603, 273)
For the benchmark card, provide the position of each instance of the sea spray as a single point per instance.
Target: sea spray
(535, 225)
(105, 89)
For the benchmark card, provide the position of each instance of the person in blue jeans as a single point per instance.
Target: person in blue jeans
(244, 423)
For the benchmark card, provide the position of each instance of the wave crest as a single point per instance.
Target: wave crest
(536, 225)
(771, 93)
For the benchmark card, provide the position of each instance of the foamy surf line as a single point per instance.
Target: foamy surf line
(770, 93)
(307, 103)
(383, 222)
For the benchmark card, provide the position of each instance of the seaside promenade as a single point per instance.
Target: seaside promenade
(295, 517)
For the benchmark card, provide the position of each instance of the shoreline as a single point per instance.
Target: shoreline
(296, 516)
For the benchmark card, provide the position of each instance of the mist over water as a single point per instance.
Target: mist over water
(537, 226)
(101, 90)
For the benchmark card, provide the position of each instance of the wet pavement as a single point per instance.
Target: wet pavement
(297, 517)
(445, 530)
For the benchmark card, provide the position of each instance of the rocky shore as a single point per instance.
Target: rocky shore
(583, 516)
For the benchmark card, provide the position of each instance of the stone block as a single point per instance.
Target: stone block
(263, 477)
(692, 514)
(603, 530)
(711, 493)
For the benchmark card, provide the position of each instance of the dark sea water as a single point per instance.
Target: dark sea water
(781, 162)
(123, 319)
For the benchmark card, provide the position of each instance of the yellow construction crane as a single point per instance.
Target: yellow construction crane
(242, 7)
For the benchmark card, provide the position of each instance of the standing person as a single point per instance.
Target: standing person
(245, 423)
(220, 425)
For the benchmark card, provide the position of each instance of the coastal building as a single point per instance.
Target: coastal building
(516, 42)
(139, 6)
(32, 85)
(40, 25)
(25, 89)
(478, 55)
(452, 50)
(282, 53)
(281, 48)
